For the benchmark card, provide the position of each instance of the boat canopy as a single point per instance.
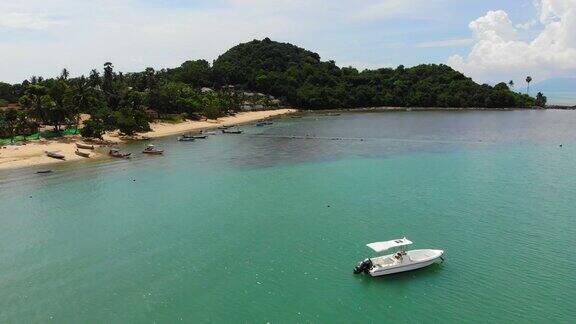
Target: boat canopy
(383, 246)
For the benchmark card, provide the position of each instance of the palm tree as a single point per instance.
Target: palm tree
(108, 77)
(33, 100)
(528, 80)
(94, 78)
(23, 125)
(11, 117)
(511, 84)
(150, 77)
(64, 75)
(80, 100)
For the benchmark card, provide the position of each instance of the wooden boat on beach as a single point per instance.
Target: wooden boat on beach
(82, 154)
(43, 171)
(152, 150)
(208, 133)
(186, 139)
(233, 131)
(118, 154)
(203, 136)
(55, 155)
(84, 146)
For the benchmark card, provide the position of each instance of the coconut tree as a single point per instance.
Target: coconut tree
(528, 80)
(94, 78)
(511, 84)
(33, 100)
(64, 74)
(11, 119)
(108, 77)
(78, 99)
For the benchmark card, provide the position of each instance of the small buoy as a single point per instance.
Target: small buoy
(560, 145)
(327, 205)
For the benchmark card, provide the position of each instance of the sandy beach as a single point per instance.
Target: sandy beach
(166, 129)
(34, 153)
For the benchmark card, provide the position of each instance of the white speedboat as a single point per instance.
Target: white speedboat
(400, 261)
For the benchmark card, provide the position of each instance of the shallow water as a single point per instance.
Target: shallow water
(263, 227)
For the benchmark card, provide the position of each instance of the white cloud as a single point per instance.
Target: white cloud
(499, 55)
(527, 25)
(446, 43)
(279, 4)
(495, 26)
(129, 34)
(18, 20)
(384, 9)
(40, 37)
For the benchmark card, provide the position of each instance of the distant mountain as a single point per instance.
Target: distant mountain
(560, 91)
(567, 84)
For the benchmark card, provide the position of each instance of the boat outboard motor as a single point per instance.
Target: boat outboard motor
(363, 266)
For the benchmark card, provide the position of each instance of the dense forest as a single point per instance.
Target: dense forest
(298, 77)
(114, 101)
(305, 81)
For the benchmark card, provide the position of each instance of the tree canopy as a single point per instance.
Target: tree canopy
(124, 101)
(299, 76)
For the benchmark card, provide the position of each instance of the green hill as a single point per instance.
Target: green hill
(294, 74)
(302, 79)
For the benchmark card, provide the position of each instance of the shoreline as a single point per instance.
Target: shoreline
(32, 154)
(167, 129)
(394, 109)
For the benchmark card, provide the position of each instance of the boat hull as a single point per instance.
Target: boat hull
(436, 256)
(55, 155)
(84, 146)
(121, 156)
(82, 154)
(401, 269)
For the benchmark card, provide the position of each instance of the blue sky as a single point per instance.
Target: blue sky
(487, 40)
(397, 40)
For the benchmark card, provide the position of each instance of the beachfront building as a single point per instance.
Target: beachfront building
(258, 101)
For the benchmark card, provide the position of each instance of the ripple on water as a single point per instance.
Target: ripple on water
(268, 228)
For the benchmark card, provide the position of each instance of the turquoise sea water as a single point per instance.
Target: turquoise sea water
(262, 227)
(567, 98)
